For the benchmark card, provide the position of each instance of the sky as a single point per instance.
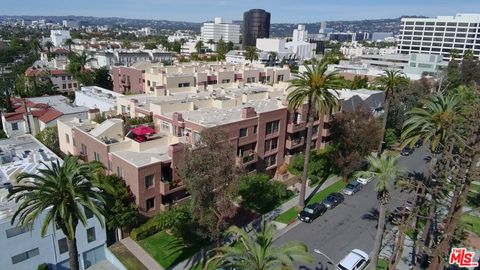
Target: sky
(283, 11)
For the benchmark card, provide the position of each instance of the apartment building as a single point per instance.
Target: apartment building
(147, 77)
(220, 28)
(264, 132)
(23, 248)
(94, 97)
(440, 35)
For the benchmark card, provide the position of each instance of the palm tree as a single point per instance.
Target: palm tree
(390, 81)
(384, 169)
(49, 46)
(76, 67)
(69, 42)
(257, 252)
(35, 47)
(312, 86)
(251, 54)
(198, 46)
(62, 192)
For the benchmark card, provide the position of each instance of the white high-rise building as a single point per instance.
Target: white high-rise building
(58, 37)
(440, 35)
(300, 34)
(299, 45)
(221, 29)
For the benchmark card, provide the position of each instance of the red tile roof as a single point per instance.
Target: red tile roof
(30, 72)
(50, 115)
(15, 116)
(58, 72)
(61, 51)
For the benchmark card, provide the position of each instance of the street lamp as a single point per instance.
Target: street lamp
(330, 261)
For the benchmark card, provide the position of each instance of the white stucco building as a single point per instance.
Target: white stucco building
(299, 45)
(24, 248)
(94, 97)
(220, 29)
(58, 37)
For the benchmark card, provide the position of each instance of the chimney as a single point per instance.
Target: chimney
(248, 112)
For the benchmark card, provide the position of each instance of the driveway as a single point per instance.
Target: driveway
(351, 224)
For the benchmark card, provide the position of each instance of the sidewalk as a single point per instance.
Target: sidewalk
(141, 255)
(281, 230)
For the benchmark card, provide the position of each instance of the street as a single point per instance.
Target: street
(350, 225)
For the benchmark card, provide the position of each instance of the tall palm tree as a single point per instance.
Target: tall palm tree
(251, 54)
(35, 46)
(69, 42)
(390, 82)
(62, 192)
(49, 46)
(257, 252)
(198, 46)
(384, 169)
(312, 86)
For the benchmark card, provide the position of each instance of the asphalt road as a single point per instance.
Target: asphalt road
(350, 225)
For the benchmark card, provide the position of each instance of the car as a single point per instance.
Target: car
(427, 158)
(355, 260)
(418, 144)
(407, 151)
(365, 180)
(333, 200)
(311, 212)
(352, 188)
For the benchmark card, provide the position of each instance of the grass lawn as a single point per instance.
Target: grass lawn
(126, 257)
(382, 264)
(471, 223)
(169, 250)
(291, 214)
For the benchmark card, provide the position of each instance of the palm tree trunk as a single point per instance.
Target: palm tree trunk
(73, 253)
(386, 107)
(306, 161)
(379, 235)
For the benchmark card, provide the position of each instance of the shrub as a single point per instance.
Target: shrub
(320, 166)
(390, 137)
(43, 266)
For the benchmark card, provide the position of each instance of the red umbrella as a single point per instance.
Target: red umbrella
(142, 130)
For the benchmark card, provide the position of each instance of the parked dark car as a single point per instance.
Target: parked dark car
(407, 151)
(418, 143)
(311, 212)
(352, 188)
(333, 200)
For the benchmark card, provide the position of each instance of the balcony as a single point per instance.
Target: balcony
(292, 127)
(326, 132)
(294, 143)
(169, 187)
(246, 159)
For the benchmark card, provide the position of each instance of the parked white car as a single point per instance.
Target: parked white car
(365, 180)
(355, 260)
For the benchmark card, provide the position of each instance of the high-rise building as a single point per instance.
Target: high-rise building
(256, 24)
(221, 29)
(440, 35)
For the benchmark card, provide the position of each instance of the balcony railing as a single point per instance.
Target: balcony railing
(292, 127)
(293, 143)
(246, 159)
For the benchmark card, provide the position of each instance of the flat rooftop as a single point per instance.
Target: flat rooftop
(60, 103)
(21, 154)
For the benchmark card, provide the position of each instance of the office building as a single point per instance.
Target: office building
(23, 248)
(440, 35)
(256, 24)
(220, 29)
(58, 37)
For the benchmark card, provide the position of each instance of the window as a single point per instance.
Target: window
(119, 172)
(88, 213)
(14, 126)
(96, 156)
(226, 81)
(180, 85)
(272, 127)
(150, 203)
(17, 231)
(148, 181)
(25, 255)
(271, 160)
(84, 149)
(91, 234)
(67, 138)
(243, 132)
(250, 79)
(75, 85)
(255, 129)
(165, 126)
(69, 85)
(63, 78)
(62, 245)
(280, 78)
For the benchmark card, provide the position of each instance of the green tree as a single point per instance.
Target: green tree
(251, 54)
(391, 81)
(62, 192)
(262, 194)
(77, 68)
(312, 87)
(257, 251)
(384, 169)
(103, 78)
(35, 47)
(121, 211)
(68, 42)
(49, 46)
(199, 46)
(214, 186)
(354, 136)
(230, 46)
(221, 49)
(49, 137)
